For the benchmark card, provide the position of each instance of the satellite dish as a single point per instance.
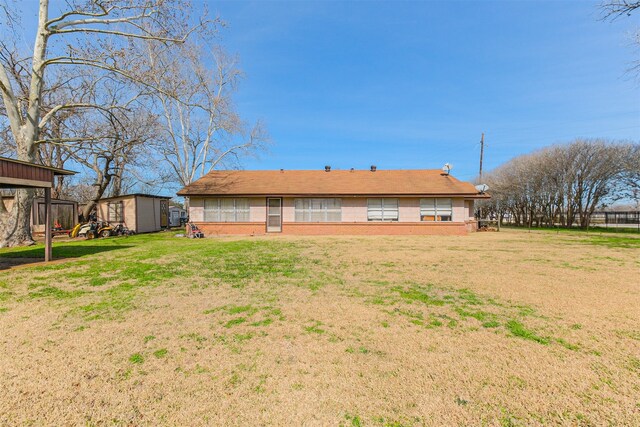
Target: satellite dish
(482, 188)
(447, 168)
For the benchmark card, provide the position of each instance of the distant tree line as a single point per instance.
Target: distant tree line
(562, 185)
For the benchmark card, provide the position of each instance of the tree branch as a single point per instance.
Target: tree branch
(229, 151)
(124, 34)
(614, 9)
(10, 102)
(65, 15)
(101, 65)
(57, 108)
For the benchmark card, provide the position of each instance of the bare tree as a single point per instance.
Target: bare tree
(613, 9)
(60, 89)
(199, 127)
(564, 184)
(118, 137)
(95, 34)
(111, 155)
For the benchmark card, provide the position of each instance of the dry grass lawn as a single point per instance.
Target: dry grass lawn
(509, 328)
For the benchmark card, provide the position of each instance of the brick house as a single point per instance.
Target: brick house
(332, 202)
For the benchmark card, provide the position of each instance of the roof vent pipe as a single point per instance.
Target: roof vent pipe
(373, 168)
(327, 168)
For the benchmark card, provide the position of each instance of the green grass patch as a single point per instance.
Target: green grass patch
(247, 309)
(235, 322)
(629, 231)
(4, 296)
(159, 354)
(264, 322)
(315, 328)
(491, 324)
(626, 242)
(98, 281)
(136, 358)
(111, 303)
(567, 344)
(242, 337)
(633, 364)
(420, 294)
(518, 329)
(481, 316)
(361, 350)
(55, 293)
(469, 297)
(194, 336)
(354, 420)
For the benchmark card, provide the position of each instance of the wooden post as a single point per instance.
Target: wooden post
(48, 252)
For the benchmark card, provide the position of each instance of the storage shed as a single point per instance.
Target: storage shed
(64, 213)
(19, 174)
(177, 216)
(142, 213)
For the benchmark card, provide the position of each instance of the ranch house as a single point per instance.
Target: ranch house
(332, 202)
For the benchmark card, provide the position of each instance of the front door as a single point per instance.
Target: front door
(164, 213)
(274, 215)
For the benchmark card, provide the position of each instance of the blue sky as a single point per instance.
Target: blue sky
(403, 84)
(414, 84)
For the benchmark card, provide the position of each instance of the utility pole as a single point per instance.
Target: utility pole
(481, 155)
(480, 175)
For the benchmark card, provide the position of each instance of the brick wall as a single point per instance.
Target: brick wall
(339, 228)
(354, 209)
(354, 217)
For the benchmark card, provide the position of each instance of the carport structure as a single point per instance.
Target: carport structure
(19, 174)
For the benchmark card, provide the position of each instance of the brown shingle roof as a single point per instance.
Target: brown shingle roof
(336, 182)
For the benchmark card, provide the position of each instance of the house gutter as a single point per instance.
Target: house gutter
(463, 195)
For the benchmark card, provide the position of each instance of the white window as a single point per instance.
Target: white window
(318, 210)
(382, 209)
(436, 210)
(226, 210)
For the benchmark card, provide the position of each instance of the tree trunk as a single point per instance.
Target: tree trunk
(16, 223)
(116, 186)
(56, 191)
(88, 208)
(15, 227)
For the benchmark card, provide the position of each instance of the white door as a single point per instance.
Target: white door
(274, 215)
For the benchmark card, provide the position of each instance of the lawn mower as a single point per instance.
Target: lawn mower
(92, 229)
(122, 230)
(194, 232)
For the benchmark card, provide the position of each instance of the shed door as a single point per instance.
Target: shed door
(164, 213)
(274, 215)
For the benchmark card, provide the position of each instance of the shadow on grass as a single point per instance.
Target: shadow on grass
(29, 255)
